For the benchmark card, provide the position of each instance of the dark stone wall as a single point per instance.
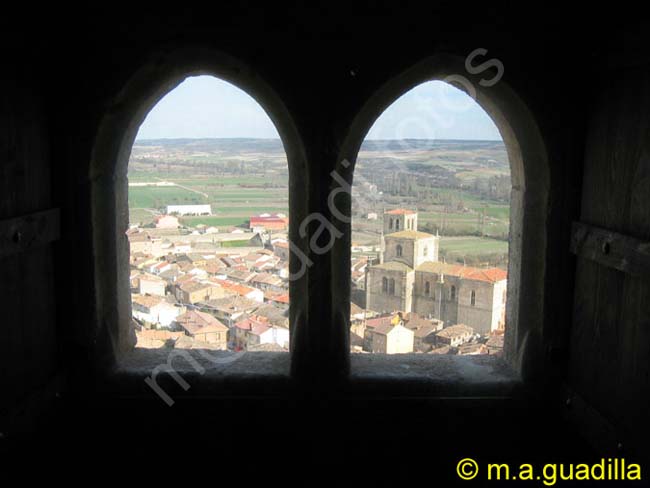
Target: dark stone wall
(28, 328)
(64, 73)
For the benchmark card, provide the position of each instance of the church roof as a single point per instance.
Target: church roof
(409, 234)
(489, 275)
(393, 266)
(401, 211)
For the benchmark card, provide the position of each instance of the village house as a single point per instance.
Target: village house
(281, 249)
(424, 331)
(282, 269)
(194, 292)
(268, 282)
(472, 349)
(356, 312)
(198, 259)
(356, 342)
(134, 280)
(149, 284)
(389, 338)
(159, 267)
(140, 260)
(239, 275)
(278, 300)
(155, 311)
(239, 289)
(443, 350)
(273, 315)
(171, 275)
(358, 317)
(203, 327)
(229, 310)
(213, 267)
(139, 242)
(264, 262)
(251, 331)
(454, 335)
(166, 222)
(494, 344)
(154, 339)
(268, 222)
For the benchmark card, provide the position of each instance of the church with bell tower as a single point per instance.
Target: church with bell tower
(410, 278)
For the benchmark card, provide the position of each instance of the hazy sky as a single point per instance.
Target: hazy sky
(204, 106)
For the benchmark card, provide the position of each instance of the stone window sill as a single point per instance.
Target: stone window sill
(267, 374)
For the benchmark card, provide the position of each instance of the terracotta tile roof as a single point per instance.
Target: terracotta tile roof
(192, 286)
(472, 348)
(379, 321)
(384, 329)
(455, 330)
(139, 237)
(232, 304)
(355, 309)
(199, 323)
(489, 275)
(277, 297)
(235, 287)
(146, 300)
(401, 211)
(441, 350)
(255, 327)
(421, 326)
(272, 314)
(150, 277)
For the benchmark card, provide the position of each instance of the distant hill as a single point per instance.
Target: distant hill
(208, 145)
(274, 145)
(428, 144)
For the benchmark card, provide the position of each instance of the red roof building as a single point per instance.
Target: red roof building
(269, 221)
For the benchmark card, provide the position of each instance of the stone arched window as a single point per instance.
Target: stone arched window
(452, 293)
(530, 180)
(398, 251)
(109, 186)
(472, 299)
(384, 285)
(391, 287)
(396, 224)
(390, 224)
(427, 288)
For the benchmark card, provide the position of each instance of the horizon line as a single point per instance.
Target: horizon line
(279, 139)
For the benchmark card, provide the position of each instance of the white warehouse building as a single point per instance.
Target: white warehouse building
(189, 209)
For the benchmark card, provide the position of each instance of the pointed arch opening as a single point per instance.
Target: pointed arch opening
(109, 194)
(526, 159)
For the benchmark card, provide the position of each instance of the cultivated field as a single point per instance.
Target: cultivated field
(456, 186)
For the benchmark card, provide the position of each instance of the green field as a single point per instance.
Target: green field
(472, 245)
(210, 181)
(242, 243)
(501, 212)
(155, 197)
(458, 223)
(231, 205)
(474, 251)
